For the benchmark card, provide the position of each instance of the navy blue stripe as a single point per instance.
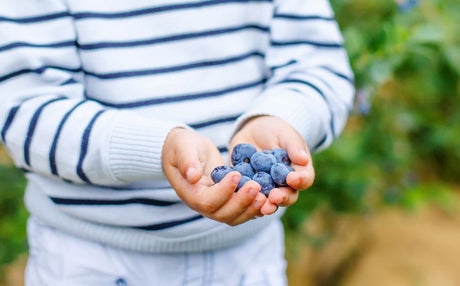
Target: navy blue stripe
(318, 77)
(52, 154)
(121, 188)
(320, 92)
(34, 19)
(32, 126)
(139, 72)
(291, 62)
(8, 122)
(222, 149)
(69, 81)
(124, 188)
(158, 9)
(321, 142)
(84, 147)
(326, 83)
(24, 170)
(146, 72)
(164, 225)
(99, 202)
(214, 121)
(304, 42)
(183, 97)
(343, 76)
(303, 17)
(31, 45)
(38, 71)
(127, 14)
(105, 45)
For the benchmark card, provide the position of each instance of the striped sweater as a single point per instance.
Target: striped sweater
(89, 89)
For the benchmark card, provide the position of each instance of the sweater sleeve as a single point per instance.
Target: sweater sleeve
(47, 124)
(311, 82)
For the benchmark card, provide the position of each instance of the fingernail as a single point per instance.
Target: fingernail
(257, 204)
(252, 192)
(303, 153)
(295, 178)
(279, 200)
(235, 179)
(190, 172)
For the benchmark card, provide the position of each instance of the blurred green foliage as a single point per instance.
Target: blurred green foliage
(404, 150)
(401, 144)
(13, 215)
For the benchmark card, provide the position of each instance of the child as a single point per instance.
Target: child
(117, 112)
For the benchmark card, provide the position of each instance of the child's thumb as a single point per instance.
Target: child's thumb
(297, 153)
(190, 166)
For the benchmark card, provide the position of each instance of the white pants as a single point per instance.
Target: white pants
(60, 259)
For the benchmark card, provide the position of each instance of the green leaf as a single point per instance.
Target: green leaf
(452, 55)
(428, 34)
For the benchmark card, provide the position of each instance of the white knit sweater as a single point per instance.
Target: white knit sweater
(89, 89)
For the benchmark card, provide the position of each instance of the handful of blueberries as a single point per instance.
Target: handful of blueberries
(269, 168)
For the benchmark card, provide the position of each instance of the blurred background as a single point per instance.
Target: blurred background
(385, 207)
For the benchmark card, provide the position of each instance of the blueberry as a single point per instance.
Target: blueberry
(245, 169)
(281, 156)
(279, 172)
(243, 180)
(262, 162)
(219, 173)
(265, 181)
(242, 153)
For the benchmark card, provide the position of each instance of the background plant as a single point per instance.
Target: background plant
(401, 143)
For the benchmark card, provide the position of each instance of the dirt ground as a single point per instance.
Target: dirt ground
(391, 248)
(394, 248)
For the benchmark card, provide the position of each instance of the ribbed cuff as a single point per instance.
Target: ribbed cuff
(304, 112)
(135, 146)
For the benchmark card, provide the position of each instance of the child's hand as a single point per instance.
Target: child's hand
(269, 132)
(188, 159)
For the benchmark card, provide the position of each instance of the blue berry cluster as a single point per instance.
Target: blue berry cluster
(269, 168)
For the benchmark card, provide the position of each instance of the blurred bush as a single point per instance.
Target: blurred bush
(13, 215)
(401, 144)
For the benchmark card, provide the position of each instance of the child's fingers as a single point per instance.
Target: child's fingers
(302, 178)
(283, 197)
(295, 146)
(298, 153)
(179, 183)
(193, 172)
(268, 208)
(209, 199)
(201, 197)
(239, 203)
(187, 161)
(251, 212)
